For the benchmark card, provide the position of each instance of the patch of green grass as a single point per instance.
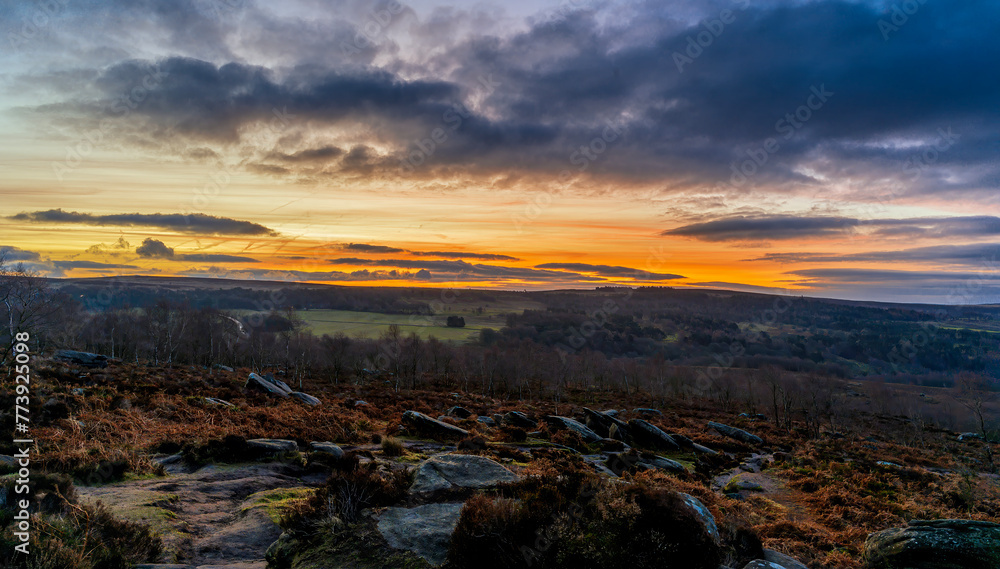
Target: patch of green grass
(276, 503)
(413, 458)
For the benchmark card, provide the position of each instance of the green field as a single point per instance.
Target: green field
(373, 324)
(357, 324)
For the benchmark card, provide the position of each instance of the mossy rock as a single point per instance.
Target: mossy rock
(936, 544)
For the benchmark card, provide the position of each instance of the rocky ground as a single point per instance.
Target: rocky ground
(219, 515)
(844, 497)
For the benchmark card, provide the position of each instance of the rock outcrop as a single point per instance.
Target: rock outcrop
(273, 445)
(935, 544)
(456, 471)
(557, 422)
(735, 434)
(781, 560)
(432, 427)
(648, 434)
(328, 448)
(268, 385)
(603, 423)
(689, 444)
(85, 359)
(305, 398)
(620, 462)
(425, 530)
(460, 412)
(647, 412)
(518, 419)
(704, 516)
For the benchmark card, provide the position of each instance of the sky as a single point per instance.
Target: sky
(844, 149)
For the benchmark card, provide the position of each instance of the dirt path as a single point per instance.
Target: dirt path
(218, 516)
(768, 486)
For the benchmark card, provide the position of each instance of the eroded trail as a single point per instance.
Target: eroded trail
(218, 516)
(752, 481)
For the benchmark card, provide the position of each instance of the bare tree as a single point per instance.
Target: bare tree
(336, 349)
(27, 304)
(976, 392)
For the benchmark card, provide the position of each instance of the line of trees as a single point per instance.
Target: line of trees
(519, 361)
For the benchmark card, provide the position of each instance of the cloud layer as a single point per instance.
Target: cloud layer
(535, 94)
(198, 223)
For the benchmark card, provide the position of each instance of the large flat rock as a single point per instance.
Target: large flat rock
(424, 530)
(273, 445)
(448, 471)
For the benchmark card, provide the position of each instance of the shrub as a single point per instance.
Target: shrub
(473, 443)
(230, 449)
(562, 522)
(392, 446)
(490, 534)
(516, 434)
(345, 494)
(572, 440)
(70, 536)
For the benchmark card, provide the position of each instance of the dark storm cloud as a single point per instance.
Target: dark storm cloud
(13, 254)
(609, 271)
(194, 223)
(778, 227)
(234, 95)
(556, 83)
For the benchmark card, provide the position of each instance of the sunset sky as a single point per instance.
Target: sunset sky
(842, 149)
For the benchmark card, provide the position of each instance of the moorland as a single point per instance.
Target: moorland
(203, 422)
